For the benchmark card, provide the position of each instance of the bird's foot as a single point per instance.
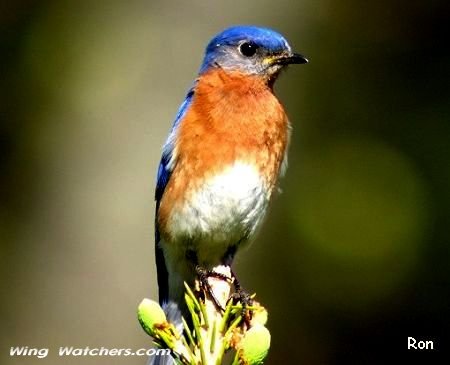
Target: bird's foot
(244, 298)
(203, 276)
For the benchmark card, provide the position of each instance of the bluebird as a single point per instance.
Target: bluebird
(223, 157)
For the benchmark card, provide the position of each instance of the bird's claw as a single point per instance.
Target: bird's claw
(203, 276)
(246, 300)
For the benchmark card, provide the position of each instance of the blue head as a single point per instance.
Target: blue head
(250, 50)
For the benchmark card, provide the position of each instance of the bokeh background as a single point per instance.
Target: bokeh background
(354, 256)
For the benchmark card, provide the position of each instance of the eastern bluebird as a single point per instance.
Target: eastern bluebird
(222, 159)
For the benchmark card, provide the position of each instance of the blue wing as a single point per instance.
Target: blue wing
(168, 161)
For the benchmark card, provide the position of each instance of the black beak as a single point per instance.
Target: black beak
(295, 58)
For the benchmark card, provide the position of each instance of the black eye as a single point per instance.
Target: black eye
(248, 49)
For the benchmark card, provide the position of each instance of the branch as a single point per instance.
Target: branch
(213, 332)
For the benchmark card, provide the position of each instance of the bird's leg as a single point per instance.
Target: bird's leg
(240, 295)
(203, 276)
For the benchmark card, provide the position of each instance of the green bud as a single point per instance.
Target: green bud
(254, 346)
(150, 314)
(259, 316)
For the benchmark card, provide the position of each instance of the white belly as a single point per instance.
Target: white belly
(226, 210)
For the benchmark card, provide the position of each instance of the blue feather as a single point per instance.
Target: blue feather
(166, 164)
(165, 169)
(270, 40)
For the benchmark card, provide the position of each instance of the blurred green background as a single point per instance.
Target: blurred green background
(354, 256)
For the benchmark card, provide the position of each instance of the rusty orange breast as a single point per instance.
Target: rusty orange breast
(232, 118)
